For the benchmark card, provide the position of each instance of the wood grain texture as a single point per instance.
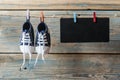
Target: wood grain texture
(62, 67)
(11, 24)
(61, 4)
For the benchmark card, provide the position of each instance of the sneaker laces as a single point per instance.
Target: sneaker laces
(42, 41)
(25, 39)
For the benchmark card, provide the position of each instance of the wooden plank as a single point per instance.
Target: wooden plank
(11, 24)
(60, 4)
(65, 67)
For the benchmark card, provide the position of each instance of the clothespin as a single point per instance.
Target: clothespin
(74, 17)
(42, 16)
(94, 17)
(28, 14)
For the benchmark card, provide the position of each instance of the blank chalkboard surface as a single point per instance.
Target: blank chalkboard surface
(84, 30)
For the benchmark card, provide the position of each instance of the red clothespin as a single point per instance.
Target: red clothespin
(94, 17)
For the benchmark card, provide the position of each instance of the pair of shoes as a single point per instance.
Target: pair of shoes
(41, 43)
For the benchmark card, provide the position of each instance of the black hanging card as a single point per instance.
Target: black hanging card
(84, 30)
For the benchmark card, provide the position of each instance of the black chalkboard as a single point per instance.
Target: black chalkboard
(84, 30)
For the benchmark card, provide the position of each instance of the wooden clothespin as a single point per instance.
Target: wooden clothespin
(42, 16)
(28, 14)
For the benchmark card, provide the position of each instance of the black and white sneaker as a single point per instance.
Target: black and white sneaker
(27, 39)
(43, 42)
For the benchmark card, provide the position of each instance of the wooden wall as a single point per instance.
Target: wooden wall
(90, 66)
(60, 4)
(62, 67)
(12, 16)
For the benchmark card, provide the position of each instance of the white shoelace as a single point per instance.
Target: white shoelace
(42, 41)
(25, 39)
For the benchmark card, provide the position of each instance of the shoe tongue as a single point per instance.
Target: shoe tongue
(25, 31)
(42, 32)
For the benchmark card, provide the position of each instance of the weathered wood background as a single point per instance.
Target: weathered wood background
(12, 17)
(62, 67)
(60, 4)
(59, 66)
